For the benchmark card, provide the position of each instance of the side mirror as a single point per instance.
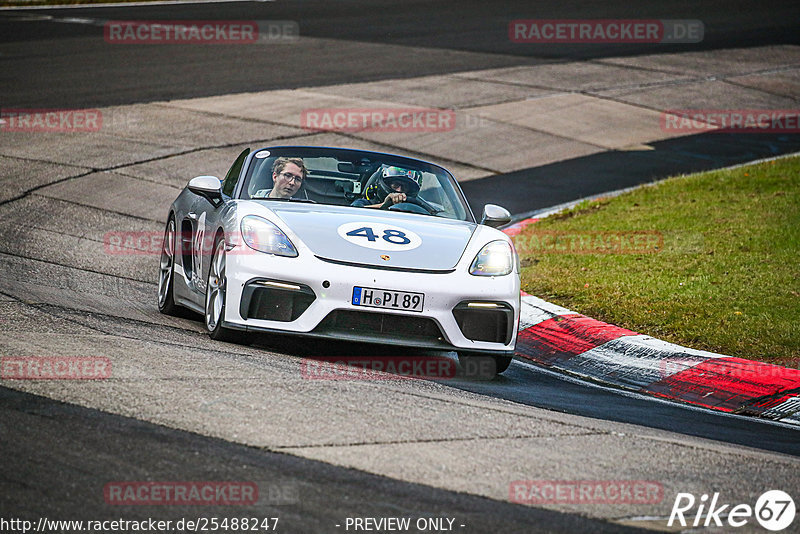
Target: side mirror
(495, 216)
(208, 187)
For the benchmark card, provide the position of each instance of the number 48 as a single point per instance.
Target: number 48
(396, 237)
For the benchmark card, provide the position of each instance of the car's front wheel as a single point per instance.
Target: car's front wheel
(166, 302)
(215, 295)
(483, 365)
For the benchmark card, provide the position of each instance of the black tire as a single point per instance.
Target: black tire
(216, 283)
(483, 366)
(503, 362)
(166, 278)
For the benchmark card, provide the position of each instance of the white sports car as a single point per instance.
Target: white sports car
(344, 244)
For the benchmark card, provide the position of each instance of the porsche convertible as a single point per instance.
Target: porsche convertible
(347, 244)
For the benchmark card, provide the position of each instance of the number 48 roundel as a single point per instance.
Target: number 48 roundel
(379, 236)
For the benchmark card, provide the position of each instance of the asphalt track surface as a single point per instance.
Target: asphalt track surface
(64, 453)
(57, 64)
(550, 185)
(86, 447)
(553, 392)
(53, 61)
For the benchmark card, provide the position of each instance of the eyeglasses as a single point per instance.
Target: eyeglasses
(292, 177)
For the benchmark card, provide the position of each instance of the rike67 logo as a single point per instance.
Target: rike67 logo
(774, 510)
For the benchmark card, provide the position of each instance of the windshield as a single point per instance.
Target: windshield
(361, 179)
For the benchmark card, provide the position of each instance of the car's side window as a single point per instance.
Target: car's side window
(229, 184)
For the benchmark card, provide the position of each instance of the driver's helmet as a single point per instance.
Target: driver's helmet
(381, 187)
(411, 179)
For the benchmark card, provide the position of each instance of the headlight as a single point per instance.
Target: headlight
(263, 236)
(494, 259)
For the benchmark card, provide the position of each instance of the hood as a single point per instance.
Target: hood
(377, 237)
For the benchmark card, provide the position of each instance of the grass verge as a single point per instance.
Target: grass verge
(709, 261)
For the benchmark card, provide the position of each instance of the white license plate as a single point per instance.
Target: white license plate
(371, 297)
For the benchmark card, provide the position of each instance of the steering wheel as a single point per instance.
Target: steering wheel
(414, 202)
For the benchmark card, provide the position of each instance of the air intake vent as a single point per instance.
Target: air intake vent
(273, 300)
(485, 321)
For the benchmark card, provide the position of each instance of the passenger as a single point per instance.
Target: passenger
(287, 177)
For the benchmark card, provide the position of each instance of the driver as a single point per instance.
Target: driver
(394, 186)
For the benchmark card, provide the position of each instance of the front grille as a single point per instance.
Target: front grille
(485, 324)
(261, 300)
(382, 326)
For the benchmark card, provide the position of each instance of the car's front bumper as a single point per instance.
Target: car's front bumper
(311, 296)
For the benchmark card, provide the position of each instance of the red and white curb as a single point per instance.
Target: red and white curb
(560, 339)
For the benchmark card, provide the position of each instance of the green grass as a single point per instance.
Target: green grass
(726, 277)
